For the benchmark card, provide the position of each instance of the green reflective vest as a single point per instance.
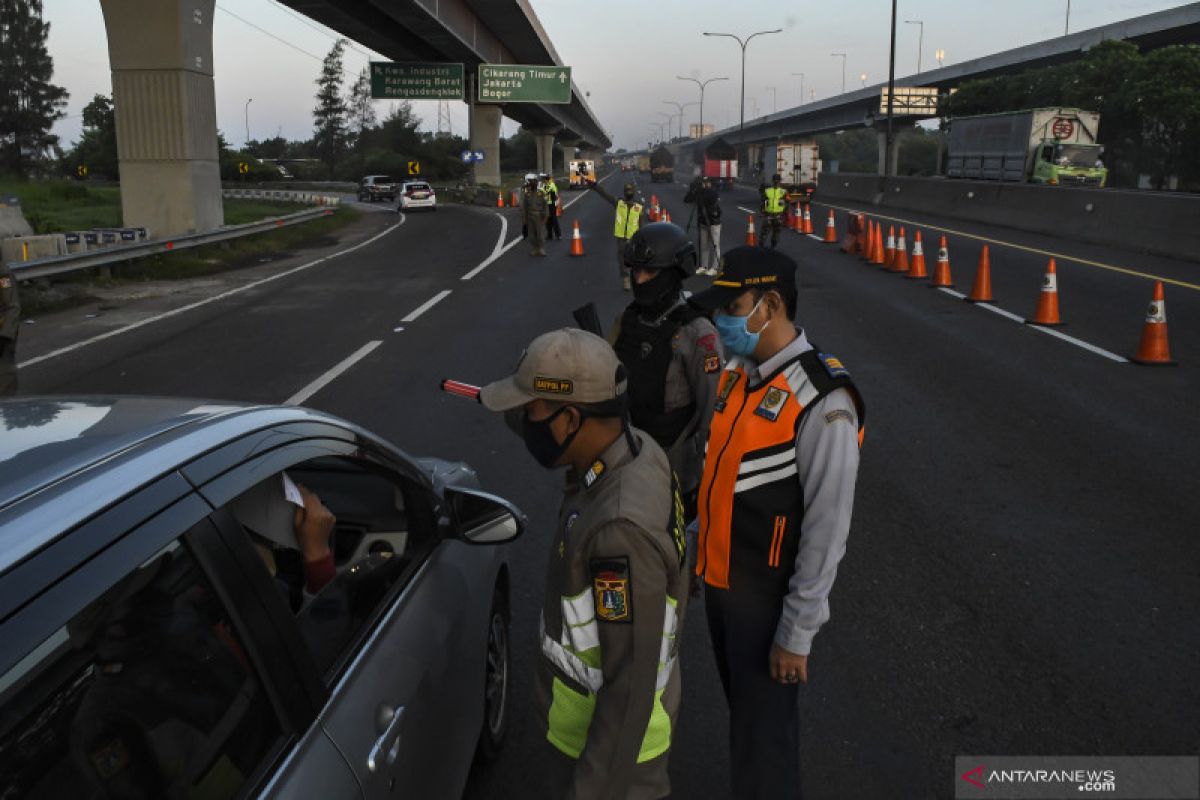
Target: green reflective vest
(629, 216)
(776, 199)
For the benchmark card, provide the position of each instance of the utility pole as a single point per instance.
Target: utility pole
(1067, 26)
(843, 57)
(887, 156)
(801, 74)
(247, 110)
(774, 98)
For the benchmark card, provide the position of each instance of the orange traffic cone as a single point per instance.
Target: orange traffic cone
(499, 199)
(918, 260)
(900, 262)
(879, 255)
(1047, 307)
(869, 249)
(515, 200)
(576, 241)
(850, 240)
(830, 230)
(653, 213)
(1153, 350)
(889, 250)
(797, 218)
(666, 215)
(981, 290)
(941, 270)
(751, 236)
(860, 241)
(808, 228)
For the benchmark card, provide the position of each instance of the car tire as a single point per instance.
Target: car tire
(497, 672)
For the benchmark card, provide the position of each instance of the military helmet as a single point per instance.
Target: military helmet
(661, 245)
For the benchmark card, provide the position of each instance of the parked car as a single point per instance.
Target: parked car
(158, 642)
(417, 194)
(376, 187)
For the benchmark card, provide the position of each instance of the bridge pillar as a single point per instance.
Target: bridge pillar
(485, 136)
(544, 139)
(160, 52)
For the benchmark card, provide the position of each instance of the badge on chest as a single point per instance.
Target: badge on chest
(772, 403)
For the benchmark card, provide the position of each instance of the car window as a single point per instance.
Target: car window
(147, 693)
(383, 179)
(384, 529)
(419, 187)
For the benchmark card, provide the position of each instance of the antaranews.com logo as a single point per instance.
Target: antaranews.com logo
(1053, 777)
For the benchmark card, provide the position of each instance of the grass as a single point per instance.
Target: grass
(56, 206)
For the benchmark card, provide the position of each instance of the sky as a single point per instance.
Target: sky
(627, 56)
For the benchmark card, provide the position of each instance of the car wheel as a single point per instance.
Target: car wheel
(497, 668)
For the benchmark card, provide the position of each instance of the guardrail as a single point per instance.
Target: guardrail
(286, 195)
(74, 262)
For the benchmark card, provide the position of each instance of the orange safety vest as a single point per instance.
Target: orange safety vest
(751, 502)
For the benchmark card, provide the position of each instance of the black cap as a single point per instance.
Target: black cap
(745, 268)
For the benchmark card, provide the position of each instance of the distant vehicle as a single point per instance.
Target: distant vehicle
(160, 641)
(628, 165)
(417, 194)
(1054, 146)
(719, 162)
(643, 165)
(799, 164)
(376, 187)
(583, 174)
(662, 165)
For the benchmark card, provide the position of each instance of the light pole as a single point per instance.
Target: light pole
(247, 112)
(801, 74)
(863, 78)
(774, 99)
(669, 117)
(843, 57)
(742, 43)
(920, 39)
(702, 85)
(1067, 25)
(680, 107)
(940, 55)
(887, 155)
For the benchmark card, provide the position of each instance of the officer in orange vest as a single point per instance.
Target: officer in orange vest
(774, 509)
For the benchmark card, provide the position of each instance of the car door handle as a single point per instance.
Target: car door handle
(388, 742)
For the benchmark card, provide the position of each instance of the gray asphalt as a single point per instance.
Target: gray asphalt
(1023, 571)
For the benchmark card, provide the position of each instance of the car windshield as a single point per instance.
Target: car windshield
(1076, 155)
(383, 179)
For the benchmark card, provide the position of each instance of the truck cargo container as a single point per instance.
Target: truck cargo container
(1053, 146)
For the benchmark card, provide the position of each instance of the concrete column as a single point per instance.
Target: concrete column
(160, 52)
(883, 150)
(545, 150)
(485, 136)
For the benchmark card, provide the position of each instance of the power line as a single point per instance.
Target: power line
(268, 33)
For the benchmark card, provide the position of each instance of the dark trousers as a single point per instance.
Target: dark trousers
(764, 718)
(553, 231)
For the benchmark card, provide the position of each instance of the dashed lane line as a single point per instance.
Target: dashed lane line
(329, 376)
(191, 306)
(428, 304)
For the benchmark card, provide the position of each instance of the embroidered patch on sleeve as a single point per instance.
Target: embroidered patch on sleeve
(707, 342)
(612, 590)
(712, 364)
(839, 414)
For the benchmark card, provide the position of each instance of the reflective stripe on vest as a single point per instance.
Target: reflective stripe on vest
(775, 199)
(628, 218)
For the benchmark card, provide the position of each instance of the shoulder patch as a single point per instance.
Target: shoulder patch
(593, 474)
(712, 364)
(833, 366)
(839, 414)
(611, 589)
(727, 383)
(707, 342)
(772, 403)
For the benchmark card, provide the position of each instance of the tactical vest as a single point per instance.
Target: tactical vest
(646, 351)
(629, 216)
(776, 200)
(751, 501)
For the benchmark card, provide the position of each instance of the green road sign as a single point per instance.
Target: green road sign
(514, 83)
(415, 81)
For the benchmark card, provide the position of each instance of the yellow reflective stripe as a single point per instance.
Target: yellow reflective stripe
(658, 732)
(626, 224)
(727, 283)
(570, 717)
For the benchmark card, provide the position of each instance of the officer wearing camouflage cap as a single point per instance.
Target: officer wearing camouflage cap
(607, 686)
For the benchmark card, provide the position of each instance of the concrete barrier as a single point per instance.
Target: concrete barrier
(1153, 222)
(12, 221)
(28, 248)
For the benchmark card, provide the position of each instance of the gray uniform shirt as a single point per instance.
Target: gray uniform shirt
(827, 460)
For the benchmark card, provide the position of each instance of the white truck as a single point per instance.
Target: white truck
(798, 163)
(1054, 146)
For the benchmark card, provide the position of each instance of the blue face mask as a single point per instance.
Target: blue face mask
(736, 337)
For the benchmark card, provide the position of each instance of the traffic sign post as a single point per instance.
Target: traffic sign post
(414, 168)
(416, 81)
(81, 170)
(243, 167)
(471, 156)
(516, 83)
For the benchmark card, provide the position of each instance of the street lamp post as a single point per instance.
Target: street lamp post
(887, 155)
(801, 74)
(1067, 24)
(742, 43)
(920, 39)
(702, 85)
(843, 57)
(940, 55)
(863, 78)
(680, 107)
(247, 111)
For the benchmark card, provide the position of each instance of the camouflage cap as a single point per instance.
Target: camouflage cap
(566, 365)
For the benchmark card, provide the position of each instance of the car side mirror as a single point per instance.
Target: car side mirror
(482, 518)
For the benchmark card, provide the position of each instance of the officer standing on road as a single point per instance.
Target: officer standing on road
(550, 190)
(708, 218)
(775, 506)
(630, 209)
(10, 323)
(774, 204)
(533, 215)
(670, 351)
(607, 686)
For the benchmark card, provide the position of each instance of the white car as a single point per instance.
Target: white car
(417, 194)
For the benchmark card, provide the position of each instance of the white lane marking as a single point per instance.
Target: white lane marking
(497, 251)
(814, 236)
(1091, 348)
(323, 381)
(997, 310)
(952, 293)
(428, 304)
(748, 211)
(182, 309)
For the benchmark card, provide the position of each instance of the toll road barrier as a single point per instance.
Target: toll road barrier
(27, 248)
(1047, 307)
(1153, 350)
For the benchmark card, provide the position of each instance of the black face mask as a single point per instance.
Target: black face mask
(660, 290)
(540, 442)
(629, 195)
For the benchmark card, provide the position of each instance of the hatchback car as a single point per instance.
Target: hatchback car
(160, 641)
(417, 194)
(376, 187)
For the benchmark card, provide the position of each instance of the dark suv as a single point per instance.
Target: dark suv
(377, 187)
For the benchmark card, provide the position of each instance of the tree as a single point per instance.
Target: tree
(361, 106)
(330, 134)
(29, 102)
(97, 146)
(1166, 92)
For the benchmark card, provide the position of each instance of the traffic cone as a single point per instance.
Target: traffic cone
(1047, 307)
(900, 262)
(653, 213)
(751, 236)
(941, 270)
(1153, 350)
(918, 260)
(889, 250)
(860, 241)
(515, 200)
(808, 228)
(499, 199)
(879, 255)
(830, 229)
(981, 290)
(797, 218)
(869, 247)
(576, 241)
(666, 215)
